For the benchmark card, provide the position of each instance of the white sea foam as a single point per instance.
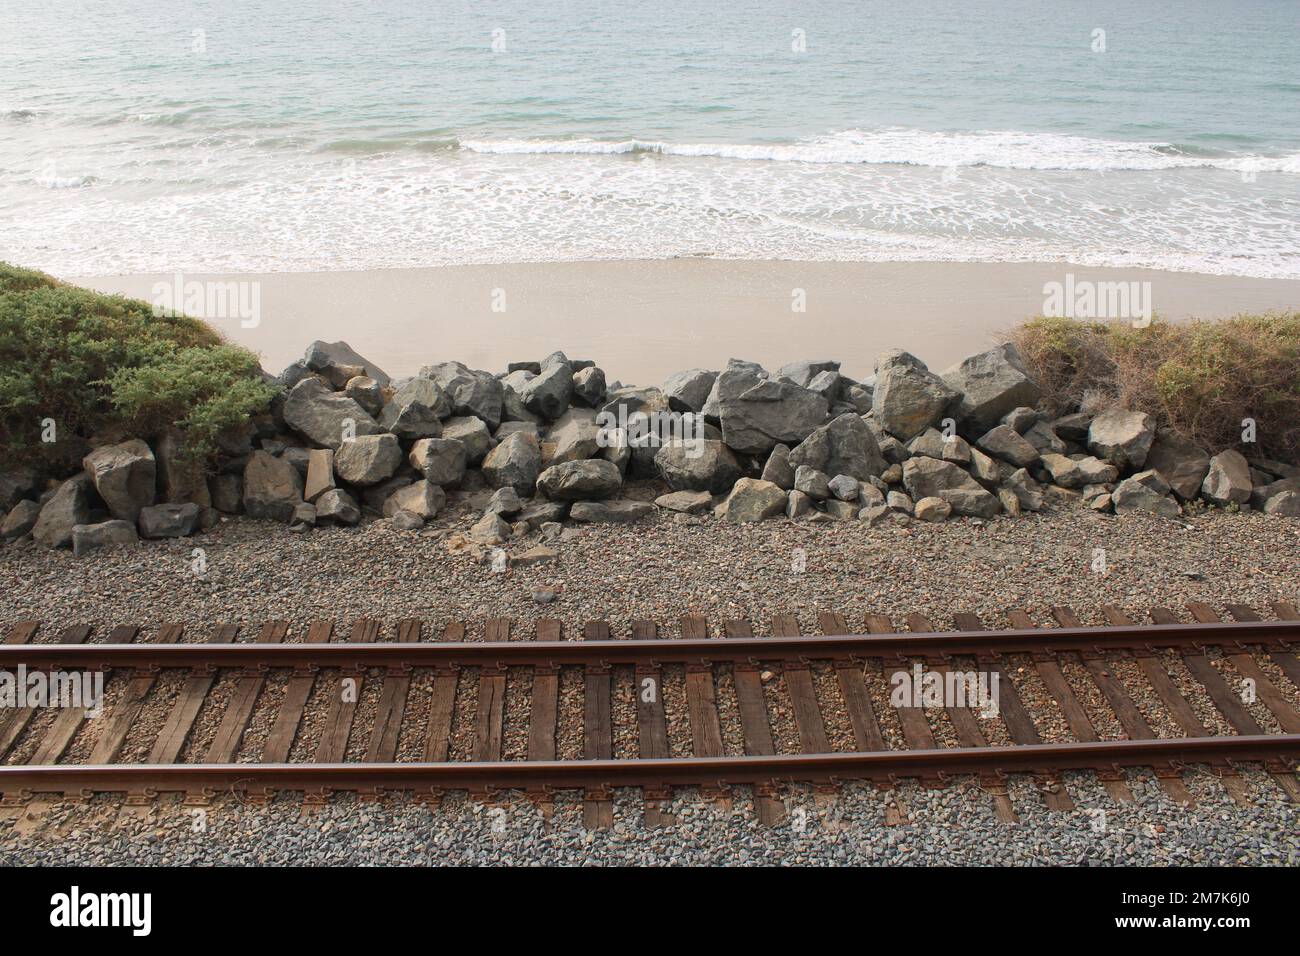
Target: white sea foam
(1006, 149)
(251, 209)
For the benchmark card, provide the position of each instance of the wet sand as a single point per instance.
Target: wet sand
(643, 320)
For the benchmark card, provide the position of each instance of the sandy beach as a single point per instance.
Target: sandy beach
(645, 320)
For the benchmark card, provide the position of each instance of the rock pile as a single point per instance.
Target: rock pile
(549, 438)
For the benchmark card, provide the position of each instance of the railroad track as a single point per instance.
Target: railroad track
(339, 712)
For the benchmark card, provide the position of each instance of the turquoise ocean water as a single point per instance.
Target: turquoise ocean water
(151, 136)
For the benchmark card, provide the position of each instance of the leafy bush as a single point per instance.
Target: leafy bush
(1201, 378)
(94, 363)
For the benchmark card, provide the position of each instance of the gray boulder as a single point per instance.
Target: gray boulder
(366, 392)
(627, 402)
(813, 483)
(579, 480)
(756, 414)
(294, 373)
(873, 515)
(575, 436)
(753, 500)
(227, 493)
(490, 529)
(1021, 419)
(1028, 491)
(1044, 438)
(422, 498)
(803, 373)
(471, 392)
(829, 385)
(406, 521)
(1122, 437)
(515, 463)
(991, 384)
(930, 444)
(1145, 491)
(272, 487)
(778, 469)
(338, 506)
(106, 534)
(1074, 427)
(1278, 469)
(932, 508)
(1284, 504)
(374, 498)
(713, 404)
(611, 512)
(688, 391)
(320, 474)
(509, 428)
(505, 502)
(699, 465)
(845, 488)
(1228, 479)
(645, 414)
(125, 476)
(304, 517)
(338, 362)
(843, 446)
(321, 416)
(440, 460)
(181, 477)
(897, 501)
(1004, 442)
(472, 432)
(540, 511)
(17, 484)
(512, 405)
(797, 505)
(20, 520)
(989, 472)
(589, 386)
(68, 507)
(549, 393)
(168, 520)
(930, 477)
(1075, 473)
(908, 397)
(686, 502)
(1260, 496)
(860, 397)
(416, 410)
(1181, 463)
(842, 510)
(368, 459)
(956, 450)
(300, 458)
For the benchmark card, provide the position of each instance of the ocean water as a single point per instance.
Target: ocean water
(286, 136)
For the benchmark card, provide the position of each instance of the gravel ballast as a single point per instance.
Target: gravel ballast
(662, 569)
(954, 826)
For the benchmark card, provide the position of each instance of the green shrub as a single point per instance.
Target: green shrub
(1201, 378)
(94, 363)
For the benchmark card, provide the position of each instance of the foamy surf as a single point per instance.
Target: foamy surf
(1003, 149)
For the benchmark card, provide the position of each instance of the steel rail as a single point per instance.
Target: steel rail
(254, 655)
(1277, 751)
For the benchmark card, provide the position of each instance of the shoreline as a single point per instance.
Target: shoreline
(648, 318)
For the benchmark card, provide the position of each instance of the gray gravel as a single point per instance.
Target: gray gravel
(953, 826)
(662, 569)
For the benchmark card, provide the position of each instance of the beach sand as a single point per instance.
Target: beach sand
(643, 320)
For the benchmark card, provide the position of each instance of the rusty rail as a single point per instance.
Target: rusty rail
(651, 774)
(733, 650)
(318, 658)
